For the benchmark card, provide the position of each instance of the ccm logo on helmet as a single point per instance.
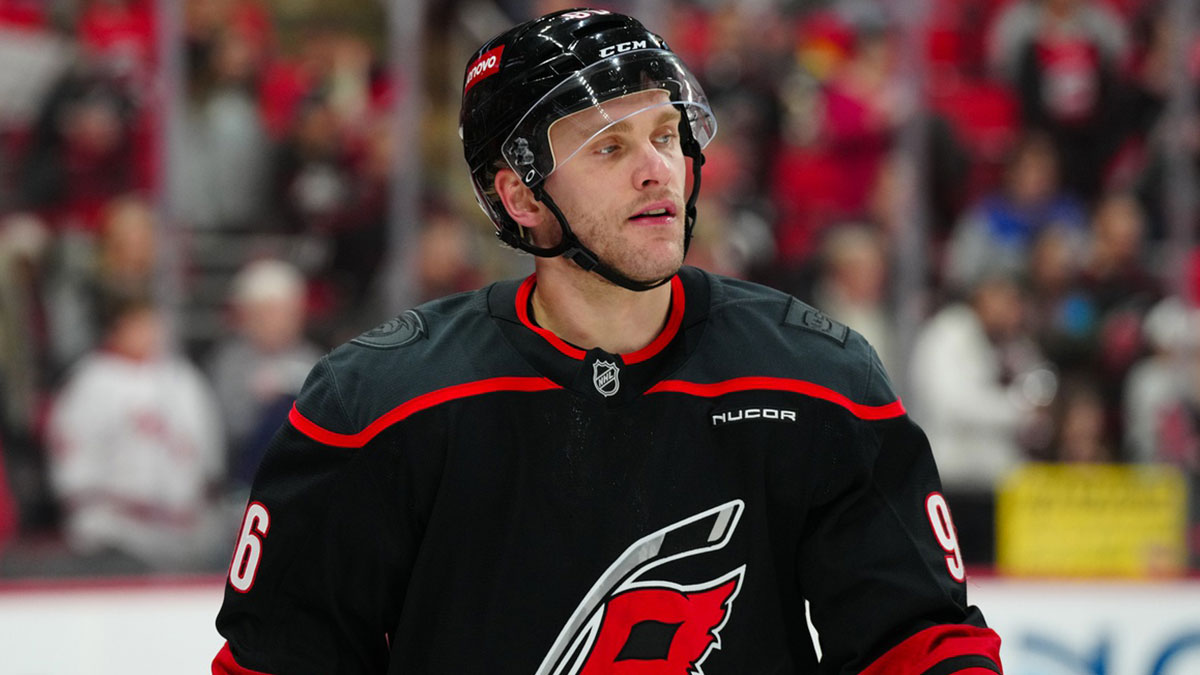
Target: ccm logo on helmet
(579, 16)
(753, 414)
(622, 47)
(486, 66)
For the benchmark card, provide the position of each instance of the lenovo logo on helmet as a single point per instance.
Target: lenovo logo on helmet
(622, 47)
(483, 68)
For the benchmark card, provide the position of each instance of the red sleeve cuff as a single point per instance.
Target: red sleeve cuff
(942, 650)
(225, 665)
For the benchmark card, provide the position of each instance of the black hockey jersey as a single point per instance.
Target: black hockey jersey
(460, 491)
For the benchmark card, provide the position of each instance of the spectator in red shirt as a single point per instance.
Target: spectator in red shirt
(1063, 56)
(81, 153)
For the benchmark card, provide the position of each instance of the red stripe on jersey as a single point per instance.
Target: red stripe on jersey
(866, 412)
(936, 644)
(422, 402)
(225, 665)
(674, 320)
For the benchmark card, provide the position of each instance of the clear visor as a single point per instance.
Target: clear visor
(597, 97)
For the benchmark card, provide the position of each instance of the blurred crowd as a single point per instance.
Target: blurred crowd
(177, 251)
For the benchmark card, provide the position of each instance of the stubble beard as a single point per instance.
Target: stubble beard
(614, 240)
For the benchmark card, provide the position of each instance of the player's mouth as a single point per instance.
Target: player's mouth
(656, 213)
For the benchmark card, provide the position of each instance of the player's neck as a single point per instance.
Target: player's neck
(587, 311)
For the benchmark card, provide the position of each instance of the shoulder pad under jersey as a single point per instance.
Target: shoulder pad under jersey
(443, 343)
(762, 332)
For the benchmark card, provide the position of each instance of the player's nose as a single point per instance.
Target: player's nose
(653, 166)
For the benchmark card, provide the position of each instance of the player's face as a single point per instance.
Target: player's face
(622, 192)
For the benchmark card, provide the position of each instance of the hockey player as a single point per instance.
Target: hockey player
(617, 465)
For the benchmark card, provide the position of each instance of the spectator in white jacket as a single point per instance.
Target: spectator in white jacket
(136, 446)
(978, 381)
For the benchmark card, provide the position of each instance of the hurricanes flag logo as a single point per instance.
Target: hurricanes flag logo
(629, 624)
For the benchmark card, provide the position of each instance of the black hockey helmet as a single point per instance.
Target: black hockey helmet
(522, 81)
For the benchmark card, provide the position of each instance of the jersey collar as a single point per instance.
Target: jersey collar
(578, 369)
(674, 319)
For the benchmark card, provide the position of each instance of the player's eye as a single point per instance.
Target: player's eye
(665, 138)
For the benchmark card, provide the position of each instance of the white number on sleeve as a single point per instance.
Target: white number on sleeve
(943, 529)
(248, 552)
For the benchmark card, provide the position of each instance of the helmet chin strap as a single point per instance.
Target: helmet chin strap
(577, 252)
(573, 249)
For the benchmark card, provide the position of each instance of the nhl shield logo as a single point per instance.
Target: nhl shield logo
(606, 377)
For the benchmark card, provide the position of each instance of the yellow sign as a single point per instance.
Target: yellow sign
(1092, 520)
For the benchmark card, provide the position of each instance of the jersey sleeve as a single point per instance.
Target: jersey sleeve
(879, 559)
(322, 557)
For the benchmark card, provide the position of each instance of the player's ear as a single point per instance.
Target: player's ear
(518, 199)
